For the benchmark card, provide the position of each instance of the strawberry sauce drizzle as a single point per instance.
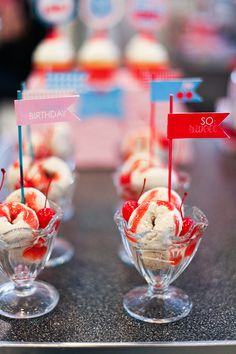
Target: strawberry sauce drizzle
(177, 226)
(140, 212)
(31, 201)
(152, 195)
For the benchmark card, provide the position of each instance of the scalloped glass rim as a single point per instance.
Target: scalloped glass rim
(38, 232)
(200, 220)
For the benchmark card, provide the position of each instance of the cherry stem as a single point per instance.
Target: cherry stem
(47, 191)
(3, 177)
(182, 203)
(143, 187)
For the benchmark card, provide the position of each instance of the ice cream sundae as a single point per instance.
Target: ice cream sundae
(58, 140)
(158, 226)
(39, 173)
(161, 237)
(136, 168)
(27, 231)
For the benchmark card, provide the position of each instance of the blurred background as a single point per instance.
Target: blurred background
(197, 38)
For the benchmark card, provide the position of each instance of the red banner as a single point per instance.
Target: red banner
(196, 125)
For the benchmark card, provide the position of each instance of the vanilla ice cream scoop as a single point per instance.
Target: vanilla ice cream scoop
(138, 142)
(34, 199)
(61, 142)
(161, 216)
(20, 220)
(58, 138)
(54, 169)
(155, 176)
(160, 193)
(139, 160)
(13, 173)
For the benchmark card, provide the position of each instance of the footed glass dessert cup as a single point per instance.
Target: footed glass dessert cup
(24, 253)
(63, 251)
(184, 183)
(160, 263)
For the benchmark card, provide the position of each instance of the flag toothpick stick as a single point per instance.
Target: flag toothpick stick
(19, 97)
(152, 132)
(170, 156)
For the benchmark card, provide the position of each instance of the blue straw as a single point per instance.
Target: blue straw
(30, 142)
(23, 86)
(19, 97)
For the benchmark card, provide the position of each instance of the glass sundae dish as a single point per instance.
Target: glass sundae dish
(161, 238)
(27, 233)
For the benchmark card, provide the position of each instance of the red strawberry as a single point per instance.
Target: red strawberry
(128, 208)
(45, 215)
(187, 224)
(35, 253)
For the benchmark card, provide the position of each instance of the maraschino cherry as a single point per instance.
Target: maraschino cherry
(3, 177)
(130, 205)
(45, 214)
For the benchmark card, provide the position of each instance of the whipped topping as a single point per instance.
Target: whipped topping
(99, 50)
(141, 49)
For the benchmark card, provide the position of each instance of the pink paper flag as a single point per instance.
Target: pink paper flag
(46, 110)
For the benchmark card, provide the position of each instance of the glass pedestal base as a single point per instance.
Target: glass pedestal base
(144, 305)
(36, 301)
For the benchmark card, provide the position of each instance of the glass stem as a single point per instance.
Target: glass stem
(24, 288)
(157, 290)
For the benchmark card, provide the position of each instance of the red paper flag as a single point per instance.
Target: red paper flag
(196, 125)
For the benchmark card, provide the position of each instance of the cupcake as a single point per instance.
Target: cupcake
(144, 56)
(54, 53)
(99, 56)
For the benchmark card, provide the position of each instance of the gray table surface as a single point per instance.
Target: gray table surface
(92, 285)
